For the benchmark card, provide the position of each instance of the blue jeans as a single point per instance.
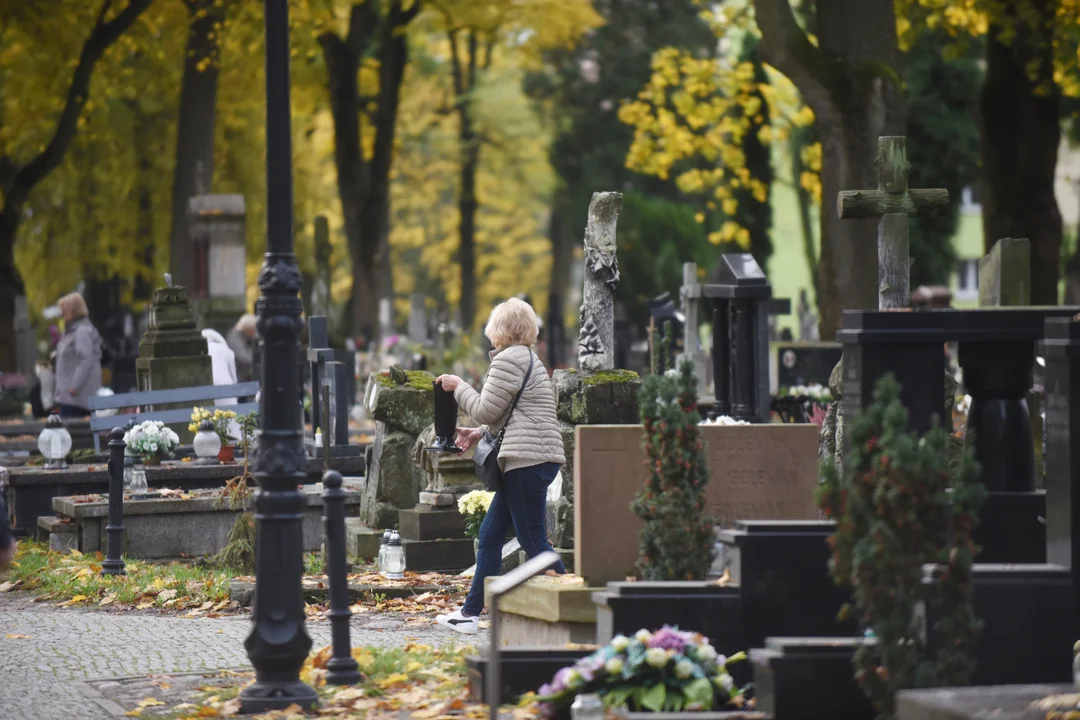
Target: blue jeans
(71, 411)
(522, 503)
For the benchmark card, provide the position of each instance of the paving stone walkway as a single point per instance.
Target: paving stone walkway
(40, 675)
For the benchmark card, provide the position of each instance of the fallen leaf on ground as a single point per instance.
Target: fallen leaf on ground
(16, 636)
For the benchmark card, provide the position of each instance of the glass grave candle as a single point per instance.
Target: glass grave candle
(207, 444)
(54, 443)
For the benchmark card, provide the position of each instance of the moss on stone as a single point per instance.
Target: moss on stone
(417, 380)
(610, 376)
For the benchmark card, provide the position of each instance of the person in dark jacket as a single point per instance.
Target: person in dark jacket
(78, 359)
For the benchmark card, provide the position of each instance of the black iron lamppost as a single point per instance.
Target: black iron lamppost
(278, 643)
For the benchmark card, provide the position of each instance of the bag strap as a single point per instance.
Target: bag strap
(528, 374)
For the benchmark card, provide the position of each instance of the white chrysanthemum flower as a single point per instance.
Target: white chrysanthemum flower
(684, 669)
(657, 657)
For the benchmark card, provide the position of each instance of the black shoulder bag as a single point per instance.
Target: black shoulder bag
(486, 456)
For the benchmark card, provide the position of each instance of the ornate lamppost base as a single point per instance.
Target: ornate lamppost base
(266, 696)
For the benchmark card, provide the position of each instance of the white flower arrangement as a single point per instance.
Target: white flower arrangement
(474, 506)
(724, 420)
(151, 438)
(818, 393)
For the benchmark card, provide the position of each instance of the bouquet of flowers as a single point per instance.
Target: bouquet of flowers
(219, 418)
(666, 671)
(151, 438)
(474, 506)
(816, 392)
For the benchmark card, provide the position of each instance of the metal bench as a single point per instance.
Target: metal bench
(196, 396)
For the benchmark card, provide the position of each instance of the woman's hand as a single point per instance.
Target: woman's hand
(449, 382)
(467, 437)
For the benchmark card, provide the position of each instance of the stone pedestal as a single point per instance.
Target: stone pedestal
(401, 413)
(584, 398)
(808, 679)
(434, 539)
(446, 477)
(173, 353)
(216, 226)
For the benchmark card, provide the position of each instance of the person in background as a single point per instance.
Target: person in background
(530, 455)
(78, 359)
(223, 362)
(241, 341)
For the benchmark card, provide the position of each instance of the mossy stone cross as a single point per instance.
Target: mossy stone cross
(891, 204)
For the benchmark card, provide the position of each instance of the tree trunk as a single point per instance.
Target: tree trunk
(559, 286)
(16, 190)
(11, 282)
(195, 130)
(467, 206)
(364, 183)
(1021, 133)
(850, 82)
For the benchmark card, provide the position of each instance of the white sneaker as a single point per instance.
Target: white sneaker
(459, 623)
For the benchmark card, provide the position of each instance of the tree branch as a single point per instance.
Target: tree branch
(103, 35)
(785, 46)
(455, 63)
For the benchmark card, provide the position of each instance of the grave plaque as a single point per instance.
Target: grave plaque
(1005, 274)
(763, 472)
(805, 363)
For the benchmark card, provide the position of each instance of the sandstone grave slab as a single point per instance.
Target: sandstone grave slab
(757, 472)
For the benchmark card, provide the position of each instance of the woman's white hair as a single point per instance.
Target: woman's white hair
(512, 323)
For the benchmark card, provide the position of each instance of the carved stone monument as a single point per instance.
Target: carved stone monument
(320, 289)
(597, 393)
(217, 228)
(172, 353)
(596, 340)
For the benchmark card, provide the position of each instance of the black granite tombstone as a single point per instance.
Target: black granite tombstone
(740, 296)
(1061, 350)
(318, 354)
(809, 679)
(1027, 632)
(997, 352)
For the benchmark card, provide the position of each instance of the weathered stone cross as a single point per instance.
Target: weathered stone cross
(891, 204)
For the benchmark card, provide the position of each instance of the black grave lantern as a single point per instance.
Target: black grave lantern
(446, 412)
(740, 295)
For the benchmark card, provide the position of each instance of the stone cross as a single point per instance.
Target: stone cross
(596, 341)
(1005, 274)
(690, 293)
(320, 292)
(891, 204)
(418, 325)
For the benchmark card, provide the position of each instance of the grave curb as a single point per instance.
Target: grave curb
(96, 696)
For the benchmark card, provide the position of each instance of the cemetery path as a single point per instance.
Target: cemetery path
(46, 652)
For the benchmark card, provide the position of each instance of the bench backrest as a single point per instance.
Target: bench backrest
(192, 395)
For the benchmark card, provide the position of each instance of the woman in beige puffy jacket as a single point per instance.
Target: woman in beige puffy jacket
(531, 453)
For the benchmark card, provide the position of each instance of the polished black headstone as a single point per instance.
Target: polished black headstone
(809, 678)
(1027, 634)
(782, 570)
(740, 293)
(522, 669)
(1061, 350)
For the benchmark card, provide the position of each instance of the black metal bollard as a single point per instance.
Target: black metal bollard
(114, 564)
(342, 668)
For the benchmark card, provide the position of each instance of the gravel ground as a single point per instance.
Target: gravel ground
(44, 675)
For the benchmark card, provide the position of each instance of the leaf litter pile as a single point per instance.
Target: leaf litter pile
(416, 681)
(191, 590)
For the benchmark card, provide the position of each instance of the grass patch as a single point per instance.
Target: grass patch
(76, 579)
(313, 564)
(417, 380)
(610, 376)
